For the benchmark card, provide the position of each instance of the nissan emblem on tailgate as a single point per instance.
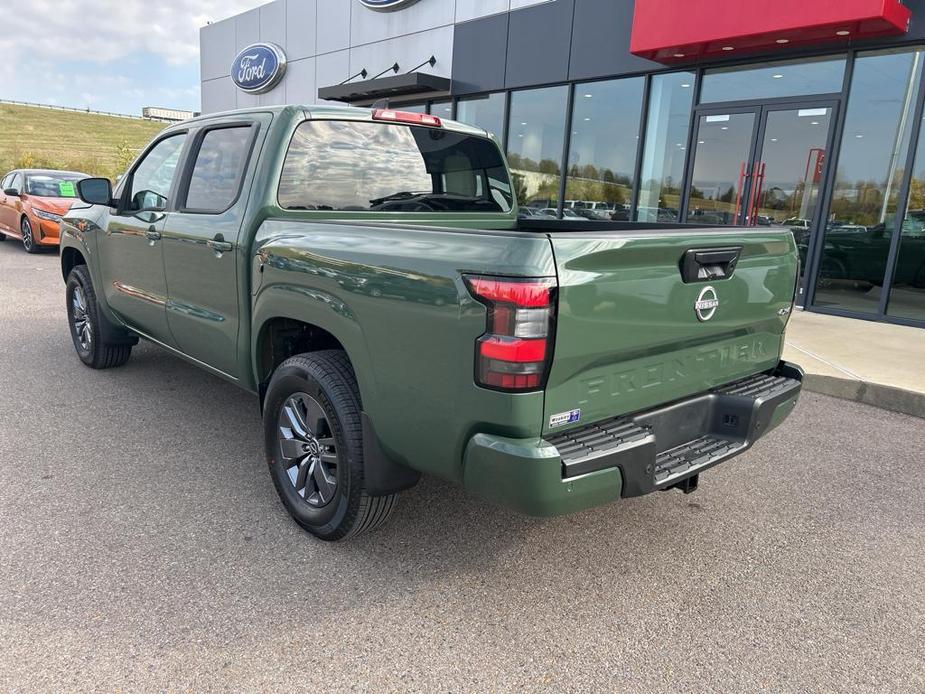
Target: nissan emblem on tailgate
(706, 304)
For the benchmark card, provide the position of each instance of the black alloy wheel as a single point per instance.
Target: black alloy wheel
(87, 325)
(82, 322)
(28, 239)
(313, 437)
(307, 446)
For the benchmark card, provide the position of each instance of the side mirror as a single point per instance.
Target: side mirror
(12, 192)
(95, 191)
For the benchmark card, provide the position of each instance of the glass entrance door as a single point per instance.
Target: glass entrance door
(761, 166)
(722, 168)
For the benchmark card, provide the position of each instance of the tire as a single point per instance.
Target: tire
(28, 239)
(831, 270)
(85, 321)
(919, 280)
(313, 436)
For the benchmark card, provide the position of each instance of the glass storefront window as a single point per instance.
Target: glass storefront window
(772, 80)
(602, 153)
(483, 112)
(411, 108)
(671, 98)
(870, 170)
(535, 140)
(443, 109)
(907, 295)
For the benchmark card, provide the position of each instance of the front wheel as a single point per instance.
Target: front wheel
(84, 319)
(314, 447)
(28, 238)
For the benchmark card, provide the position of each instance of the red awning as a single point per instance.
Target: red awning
(679, 31)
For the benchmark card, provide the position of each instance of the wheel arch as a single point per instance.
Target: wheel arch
(70, 258)
(284, 335)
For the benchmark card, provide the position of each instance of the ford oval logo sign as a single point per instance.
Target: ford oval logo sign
(387, 5)
(258, 68)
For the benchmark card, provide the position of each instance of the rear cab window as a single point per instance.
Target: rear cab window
(219, 168)
(360, 166)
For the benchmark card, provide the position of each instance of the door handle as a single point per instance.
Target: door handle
(153, 235)
(219, 244)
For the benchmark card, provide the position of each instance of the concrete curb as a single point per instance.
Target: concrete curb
(875, 394)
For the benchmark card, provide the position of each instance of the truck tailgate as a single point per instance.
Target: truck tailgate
(629, 335)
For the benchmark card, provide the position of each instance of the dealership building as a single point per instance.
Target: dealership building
(801, 113)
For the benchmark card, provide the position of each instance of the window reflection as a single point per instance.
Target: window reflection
(535, 140)
(443, 109)
(483, 112)
(862, 216)
(907, 296)
(772, 80)
(355, 167)
(602, 153)
(718, 182)
(670, 103)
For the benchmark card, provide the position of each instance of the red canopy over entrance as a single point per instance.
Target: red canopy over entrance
(673, 31)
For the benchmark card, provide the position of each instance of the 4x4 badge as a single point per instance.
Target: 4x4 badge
(706, 305)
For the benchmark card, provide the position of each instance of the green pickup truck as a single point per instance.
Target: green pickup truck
(365, 273)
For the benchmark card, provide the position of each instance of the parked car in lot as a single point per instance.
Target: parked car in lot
(533, 213)
(32, 202)
(365, 274)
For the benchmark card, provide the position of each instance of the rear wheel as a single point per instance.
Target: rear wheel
(83, 315)
(314, 447)
(28, 239)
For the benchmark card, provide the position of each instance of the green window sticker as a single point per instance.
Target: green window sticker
(66, 189)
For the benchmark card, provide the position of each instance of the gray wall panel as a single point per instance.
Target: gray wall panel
(539, 43)
(480, 55)
(408, 51)
(217, 49)
(246, 29)
(273, 22)
(333, 25)
(301, 27)
(519, 4)
(219, 95)
(331, 68)
(300, 82)
(601, 40)
(467, 10)
(367, 26)
(917, 27)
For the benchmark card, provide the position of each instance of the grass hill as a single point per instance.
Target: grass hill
(31, 136)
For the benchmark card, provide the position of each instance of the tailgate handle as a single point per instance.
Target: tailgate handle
(708, 264)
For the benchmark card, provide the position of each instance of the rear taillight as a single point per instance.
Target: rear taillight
(407, 117)
(515, 351)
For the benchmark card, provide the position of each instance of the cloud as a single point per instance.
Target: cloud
(107, 30)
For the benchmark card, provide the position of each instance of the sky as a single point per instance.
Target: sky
(108, 55)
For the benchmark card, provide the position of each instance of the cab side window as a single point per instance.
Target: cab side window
(153, 177)
(16, 182)
(219, 169)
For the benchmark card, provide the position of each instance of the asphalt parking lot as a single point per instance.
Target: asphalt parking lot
(142, 547)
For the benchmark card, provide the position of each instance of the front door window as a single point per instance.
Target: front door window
(153, 177)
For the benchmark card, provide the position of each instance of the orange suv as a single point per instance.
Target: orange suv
(32, 202)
